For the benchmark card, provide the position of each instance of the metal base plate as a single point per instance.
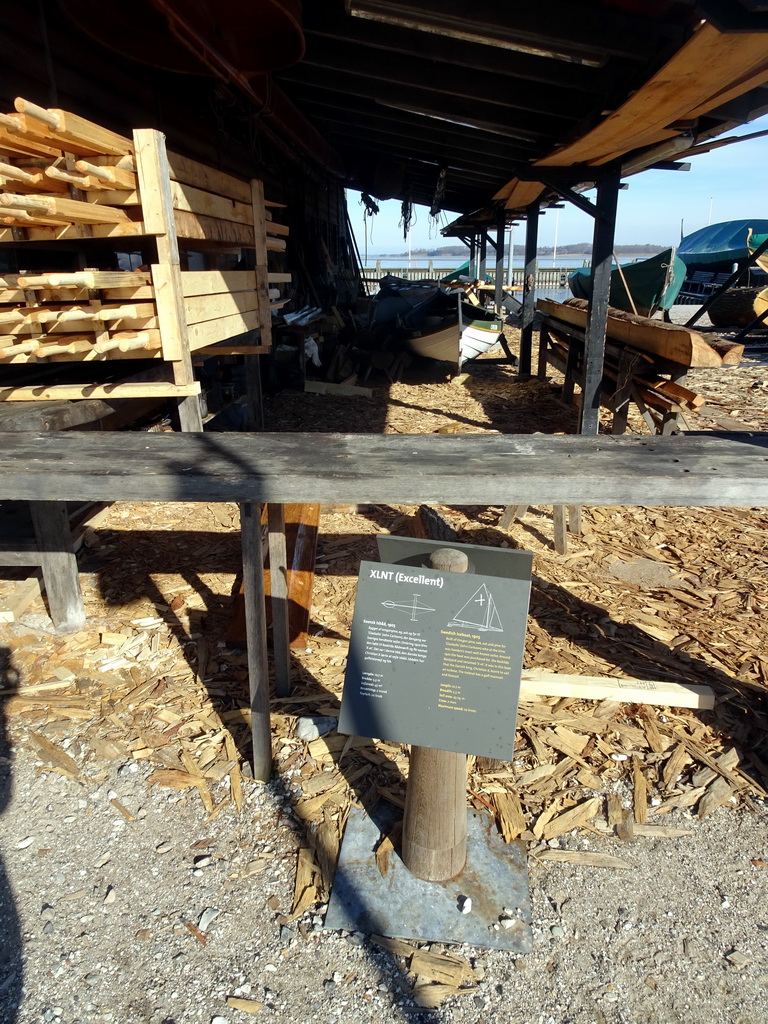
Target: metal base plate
(402, 906)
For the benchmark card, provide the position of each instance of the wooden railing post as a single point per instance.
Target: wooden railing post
(278, 580)
(256, 638)
(434, 845)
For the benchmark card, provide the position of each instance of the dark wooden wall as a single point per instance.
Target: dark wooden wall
(49, 60)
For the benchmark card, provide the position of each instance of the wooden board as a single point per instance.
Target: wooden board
(324, 387)
(129, 294)
(184, 169)
(711, 69)
(82, 279)
(193, 282)
(201, 308)
(223, 349)
(55, 330)
(210, 229)
(194, 200)
(677, 344)
(634, 691)
(156, 389)
(210, 282)
(26, 145)
(70, 130)
(54, 415)
(170, 310)
(24, 593)
(122, 230)
(717, 469)
(211, 331)
(261, 245)
(66, 209)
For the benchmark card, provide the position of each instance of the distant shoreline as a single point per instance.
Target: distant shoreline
(422, 257)
(419, 259)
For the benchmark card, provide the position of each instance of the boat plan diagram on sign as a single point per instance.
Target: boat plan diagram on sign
(435, 658)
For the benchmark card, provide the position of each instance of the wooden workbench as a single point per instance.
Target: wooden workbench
(479, 469)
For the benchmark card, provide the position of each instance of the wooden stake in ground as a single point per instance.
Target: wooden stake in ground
(435, 821)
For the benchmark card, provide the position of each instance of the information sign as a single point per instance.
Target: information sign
(435, 657)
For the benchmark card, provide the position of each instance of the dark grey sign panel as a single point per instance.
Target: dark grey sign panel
(435, 657)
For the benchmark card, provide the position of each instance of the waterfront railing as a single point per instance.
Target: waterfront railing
(546, 277)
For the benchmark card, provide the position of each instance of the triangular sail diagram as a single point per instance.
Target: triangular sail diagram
(480, 612)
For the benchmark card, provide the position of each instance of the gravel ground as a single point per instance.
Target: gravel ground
(104, 920)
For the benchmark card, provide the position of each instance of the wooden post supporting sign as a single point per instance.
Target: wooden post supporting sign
(434, 845)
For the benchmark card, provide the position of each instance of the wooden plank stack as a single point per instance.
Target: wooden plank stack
(63, 177)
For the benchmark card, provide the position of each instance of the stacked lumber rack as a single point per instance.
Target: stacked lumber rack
(62, 178)
(645, 363)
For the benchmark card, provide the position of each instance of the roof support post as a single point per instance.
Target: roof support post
(498, 275)
(483, 254)
(597, 316)
(529, 289)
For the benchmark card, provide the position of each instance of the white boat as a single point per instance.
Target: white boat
(436, 323)
(456, 343)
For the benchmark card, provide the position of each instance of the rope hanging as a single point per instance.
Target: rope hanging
(439, 196)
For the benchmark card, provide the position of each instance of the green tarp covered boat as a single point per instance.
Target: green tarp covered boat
(724, 243)
(653, 283)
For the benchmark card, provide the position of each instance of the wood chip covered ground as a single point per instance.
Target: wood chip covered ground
(644, 593)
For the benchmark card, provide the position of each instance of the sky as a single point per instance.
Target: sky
(729, 183)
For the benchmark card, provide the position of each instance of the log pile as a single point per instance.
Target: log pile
(638, 354)
(47, 154)
(671, 342)
(629, 375)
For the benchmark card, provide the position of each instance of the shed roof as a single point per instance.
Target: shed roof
(443, 101)
(462, 106)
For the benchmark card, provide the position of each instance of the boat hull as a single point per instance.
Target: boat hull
(642, 287)
(450, 346)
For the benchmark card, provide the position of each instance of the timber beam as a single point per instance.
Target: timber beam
(434, 76)
(321, 23)
(706, 469)
(550, 31)
(458, 109)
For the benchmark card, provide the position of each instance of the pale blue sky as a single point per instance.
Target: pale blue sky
(727, 184)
